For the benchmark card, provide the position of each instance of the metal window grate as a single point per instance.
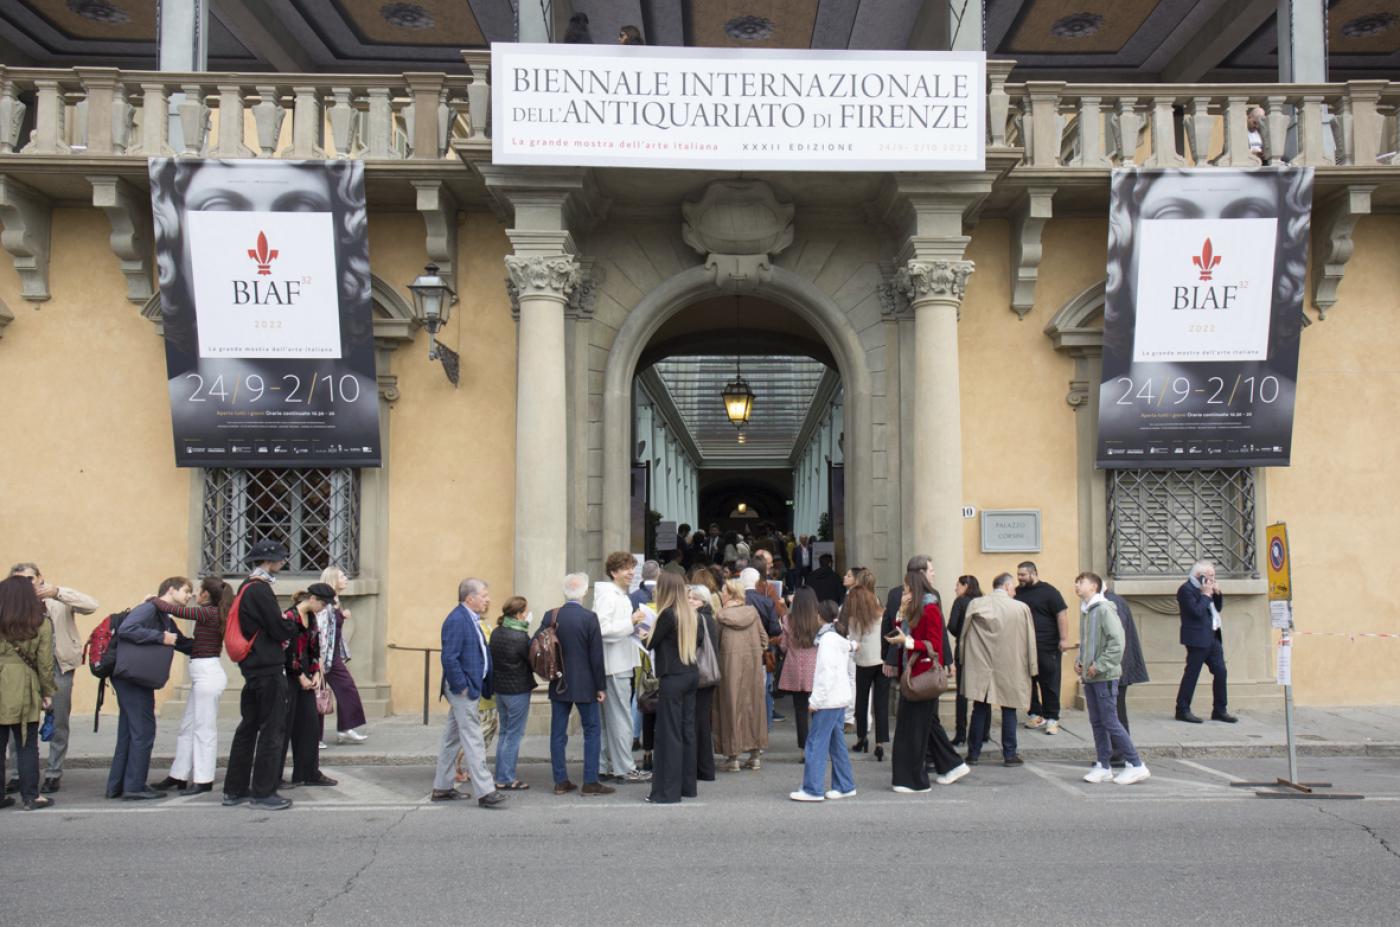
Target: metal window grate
(1160, 522)
(316, 513)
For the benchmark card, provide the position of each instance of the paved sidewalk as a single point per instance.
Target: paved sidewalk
(403, 740)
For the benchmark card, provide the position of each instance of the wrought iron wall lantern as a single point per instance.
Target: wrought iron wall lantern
(433, 300)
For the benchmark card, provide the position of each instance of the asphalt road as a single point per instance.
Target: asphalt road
(1033, 846)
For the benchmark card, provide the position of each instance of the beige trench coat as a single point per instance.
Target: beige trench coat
(739, 718)
(998, 651)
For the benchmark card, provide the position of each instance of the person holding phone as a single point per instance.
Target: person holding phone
(303, 664)
(1200, 602)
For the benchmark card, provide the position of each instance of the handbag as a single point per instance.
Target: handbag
(146, 665)
(46, 729)
(706, 660)
(325, 700)
(924, 687)
(648, 688)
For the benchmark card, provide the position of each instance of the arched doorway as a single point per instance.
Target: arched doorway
(795, 294)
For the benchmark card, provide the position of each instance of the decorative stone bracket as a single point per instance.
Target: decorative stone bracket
(1031, 215)
(1077, 330)
(26, 216)
(129, 212)
(439, 210)
(738, 225)
(1338, 222)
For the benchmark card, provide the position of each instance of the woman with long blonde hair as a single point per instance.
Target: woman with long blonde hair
(674, 640)
(861, 615)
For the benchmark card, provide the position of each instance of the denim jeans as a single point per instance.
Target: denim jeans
(768, 696)
(514, 710)
(826, 738)
(588, 713)
(1101, 698)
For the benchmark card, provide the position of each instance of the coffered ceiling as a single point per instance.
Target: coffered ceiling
(1102, 40)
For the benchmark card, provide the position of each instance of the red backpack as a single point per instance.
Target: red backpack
(235, 643)
(98, 652)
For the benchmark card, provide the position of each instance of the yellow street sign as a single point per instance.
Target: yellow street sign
(1276, 547)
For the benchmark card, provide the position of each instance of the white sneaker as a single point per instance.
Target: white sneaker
(800, 795)
(1098, 774)
(1132, 774)
(321, 745)
(1052, 726)
(1034, 722)
(954, 774)
(351, 737)
(905, 790)
(834, 794)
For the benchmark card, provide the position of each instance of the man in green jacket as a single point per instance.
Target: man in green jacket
(1100, 665)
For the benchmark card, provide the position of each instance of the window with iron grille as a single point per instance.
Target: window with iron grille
(315, 513)
(1160, 522)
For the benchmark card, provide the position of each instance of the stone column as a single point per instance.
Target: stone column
(542, 285)
(935, 291)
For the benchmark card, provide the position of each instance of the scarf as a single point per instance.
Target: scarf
(515, 624)
(325, 630)
(1214, 612)
(260, 573)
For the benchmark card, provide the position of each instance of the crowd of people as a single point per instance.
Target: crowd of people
(682, 665)
(295, 674)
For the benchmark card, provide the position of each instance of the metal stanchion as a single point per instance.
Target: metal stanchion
(427, 673)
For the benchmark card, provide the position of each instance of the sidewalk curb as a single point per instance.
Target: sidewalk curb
(1193, 751)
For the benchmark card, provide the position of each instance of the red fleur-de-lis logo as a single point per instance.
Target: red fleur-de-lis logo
(1207, 260)
(265, 256)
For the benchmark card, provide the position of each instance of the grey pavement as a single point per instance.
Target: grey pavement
(404, 740)
(1031, 845)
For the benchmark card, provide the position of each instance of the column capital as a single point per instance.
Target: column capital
(553, 277)
(943, 280)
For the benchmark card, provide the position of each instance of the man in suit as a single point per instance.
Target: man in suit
(466, 679)
(584, 686)
(999, 660)
(1200, 602)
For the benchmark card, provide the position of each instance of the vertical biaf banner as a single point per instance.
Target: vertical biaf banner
(1202, 316)
(265, 300)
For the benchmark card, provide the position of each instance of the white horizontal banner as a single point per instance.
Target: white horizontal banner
(738, 109)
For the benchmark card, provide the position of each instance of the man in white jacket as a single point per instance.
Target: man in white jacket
(831, 693)
(621, 656)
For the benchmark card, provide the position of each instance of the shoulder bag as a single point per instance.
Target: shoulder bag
(927, 685)
(705, 658)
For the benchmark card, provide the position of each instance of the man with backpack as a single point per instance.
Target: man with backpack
(584, 686)
(61, 603)
(255, 635)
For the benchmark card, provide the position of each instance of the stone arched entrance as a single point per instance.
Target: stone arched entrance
(781, 286)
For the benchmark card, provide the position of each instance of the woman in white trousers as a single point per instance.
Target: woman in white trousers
(197, 747)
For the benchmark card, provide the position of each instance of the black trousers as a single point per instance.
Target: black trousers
(801, 716)
(704, 735)
(1045, 687)
(960, 709)
(28, 758)
(940, 752)
(868, 678)
(303, 734)
(1212, 657)
(255, 756)
(913, 724)
(673, 764)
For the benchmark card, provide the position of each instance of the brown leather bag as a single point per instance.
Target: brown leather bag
(926, 686)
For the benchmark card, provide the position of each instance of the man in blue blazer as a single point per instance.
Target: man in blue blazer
(1200, 602)
(584, 687)
(466, 679)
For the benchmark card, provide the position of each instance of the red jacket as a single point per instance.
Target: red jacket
(928, 636)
